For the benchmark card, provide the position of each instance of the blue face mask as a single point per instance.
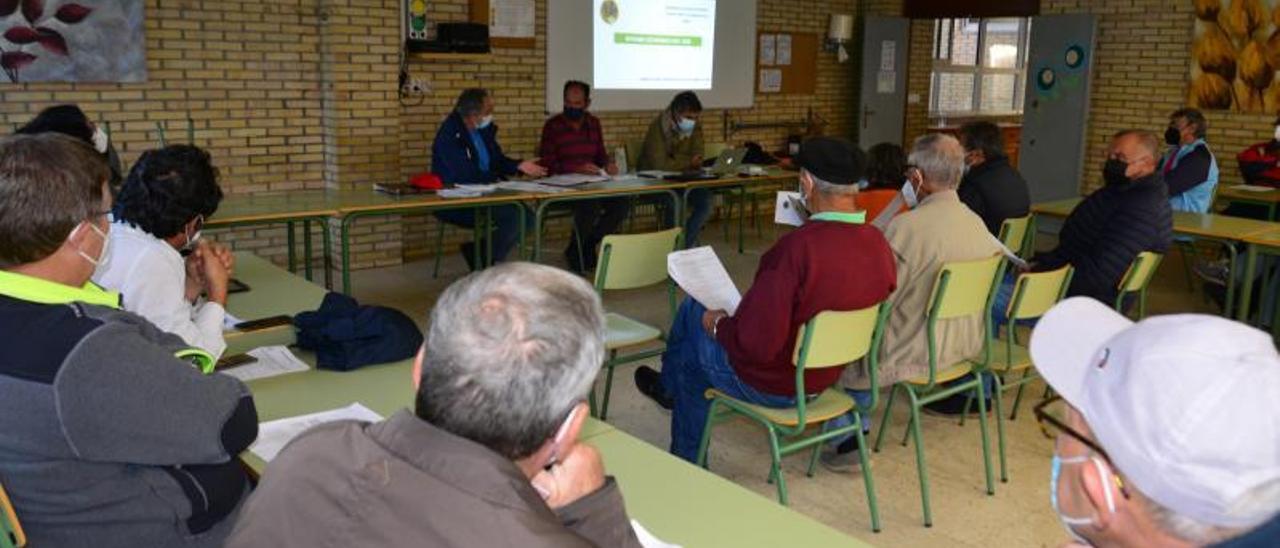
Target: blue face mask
(484, 122)
(686, 125)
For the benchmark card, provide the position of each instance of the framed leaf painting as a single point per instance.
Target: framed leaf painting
(72, 41)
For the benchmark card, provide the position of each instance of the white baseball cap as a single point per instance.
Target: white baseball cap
(1187, 406)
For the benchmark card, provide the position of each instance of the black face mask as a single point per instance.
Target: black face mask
(1113, 172)
(1172, 136)
(574, 114)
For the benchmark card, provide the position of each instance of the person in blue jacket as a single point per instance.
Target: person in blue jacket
(466, 151)
(1189, 167)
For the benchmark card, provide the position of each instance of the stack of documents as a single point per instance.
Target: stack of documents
(700, 273)
(571, 179)
(274, 435)
(466, 191)
(272, 361)
(530, 186)
(1253, 188)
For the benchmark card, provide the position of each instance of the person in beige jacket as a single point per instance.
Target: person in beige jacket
(940, 229)
(489, 457)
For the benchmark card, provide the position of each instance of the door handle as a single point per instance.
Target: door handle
(866, 116)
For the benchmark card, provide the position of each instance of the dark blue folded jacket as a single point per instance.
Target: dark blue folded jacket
(345, 335)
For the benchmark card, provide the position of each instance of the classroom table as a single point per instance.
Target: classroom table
(1264, 243)
(674, 500)
(1269, 199)
(288, 208)
(1225, 229)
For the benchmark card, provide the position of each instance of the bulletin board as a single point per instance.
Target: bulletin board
(786, 62)
(483, 11)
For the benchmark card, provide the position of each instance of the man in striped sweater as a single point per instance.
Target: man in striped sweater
(1127, 216)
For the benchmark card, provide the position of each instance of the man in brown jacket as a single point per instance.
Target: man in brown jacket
(488, 458)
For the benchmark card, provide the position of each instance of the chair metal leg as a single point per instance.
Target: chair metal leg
(777, 465)
(884, 418)
(706, 433)
(1017, 398)
(982, 418)
(817, 448)
(435, 271)
(866, 477)
(608, 385)
(999, 416)
(921, 469)
(906, 434)
(591, 402)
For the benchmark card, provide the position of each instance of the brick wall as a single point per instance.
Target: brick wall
(1140, 76)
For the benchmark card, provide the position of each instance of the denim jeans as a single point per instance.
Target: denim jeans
(699, 202)
(863, 399)
(692, 363)
(506, 233)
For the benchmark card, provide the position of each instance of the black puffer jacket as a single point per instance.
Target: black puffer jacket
(995, 191)
(1107, 230)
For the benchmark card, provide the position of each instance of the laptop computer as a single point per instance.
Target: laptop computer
(725, 164)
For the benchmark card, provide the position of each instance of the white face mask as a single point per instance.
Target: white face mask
(1069, 521)
(100, 141)
(193, 239)
(484, 122)
(909, 194)
(1277, 134)
(104, 256)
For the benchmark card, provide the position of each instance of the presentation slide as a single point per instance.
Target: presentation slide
(654, 44)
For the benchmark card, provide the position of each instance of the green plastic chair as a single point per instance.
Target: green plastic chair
(829, 339)
(1034, 293)
(1136, 279)
(632, 261)
(961, 289)
(11, 535)
(1016, 234)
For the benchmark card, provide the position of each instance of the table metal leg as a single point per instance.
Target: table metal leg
(293, 257)
(1246, 292)
(326, 242)
(742, 214)
(306, 247)
(345, 242)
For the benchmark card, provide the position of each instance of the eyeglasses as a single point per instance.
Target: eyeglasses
(1047, 420)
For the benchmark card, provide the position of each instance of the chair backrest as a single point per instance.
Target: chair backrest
(1034, 293)
(11, 535)
(628, 261)
(833, 338)
(634, 146)
(1140, 272)
(964, 288)
(1013, 234)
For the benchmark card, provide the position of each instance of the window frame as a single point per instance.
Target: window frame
(943, 64)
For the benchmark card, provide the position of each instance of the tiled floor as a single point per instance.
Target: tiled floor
(1017, 515)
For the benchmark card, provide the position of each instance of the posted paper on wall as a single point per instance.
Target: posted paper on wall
(767, 52)
(784, 49)
(511, 18)
(700, 273)
(770, 80)
(274, 435)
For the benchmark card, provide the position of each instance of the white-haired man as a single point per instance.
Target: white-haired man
(1170, 435)
(488, 458)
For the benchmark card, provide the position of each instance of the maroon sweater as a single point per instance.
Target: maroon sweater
(824, 265)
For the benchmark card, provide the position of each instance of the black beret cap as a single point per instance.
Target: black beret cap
(832, 160)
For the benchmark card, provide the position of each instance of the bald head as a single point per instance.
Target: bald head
(1137, 148)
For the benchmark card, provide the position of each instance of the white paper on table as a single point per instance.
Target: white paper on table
(530, 186)
(274, 435)
(272, 361)
(466, 191)
(647, 539)
(229, 322)
(790, 209)
(700, 273)
(657, 173)
(1252, 188)
(571, 179)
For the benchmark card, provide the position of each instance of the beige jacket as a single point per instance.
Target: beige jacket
(940, 230)
(404, 482)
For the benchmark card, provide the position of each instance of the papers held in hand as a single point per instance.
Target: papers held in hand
(700, 273)
(790, 209)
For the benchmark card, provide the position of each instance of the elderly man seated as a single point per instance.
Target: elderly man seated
(489, 456)
(940, 229)
(833, 262)
(1169, 435)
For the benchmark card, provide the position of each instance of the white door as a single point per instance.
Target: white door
(882, 103)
